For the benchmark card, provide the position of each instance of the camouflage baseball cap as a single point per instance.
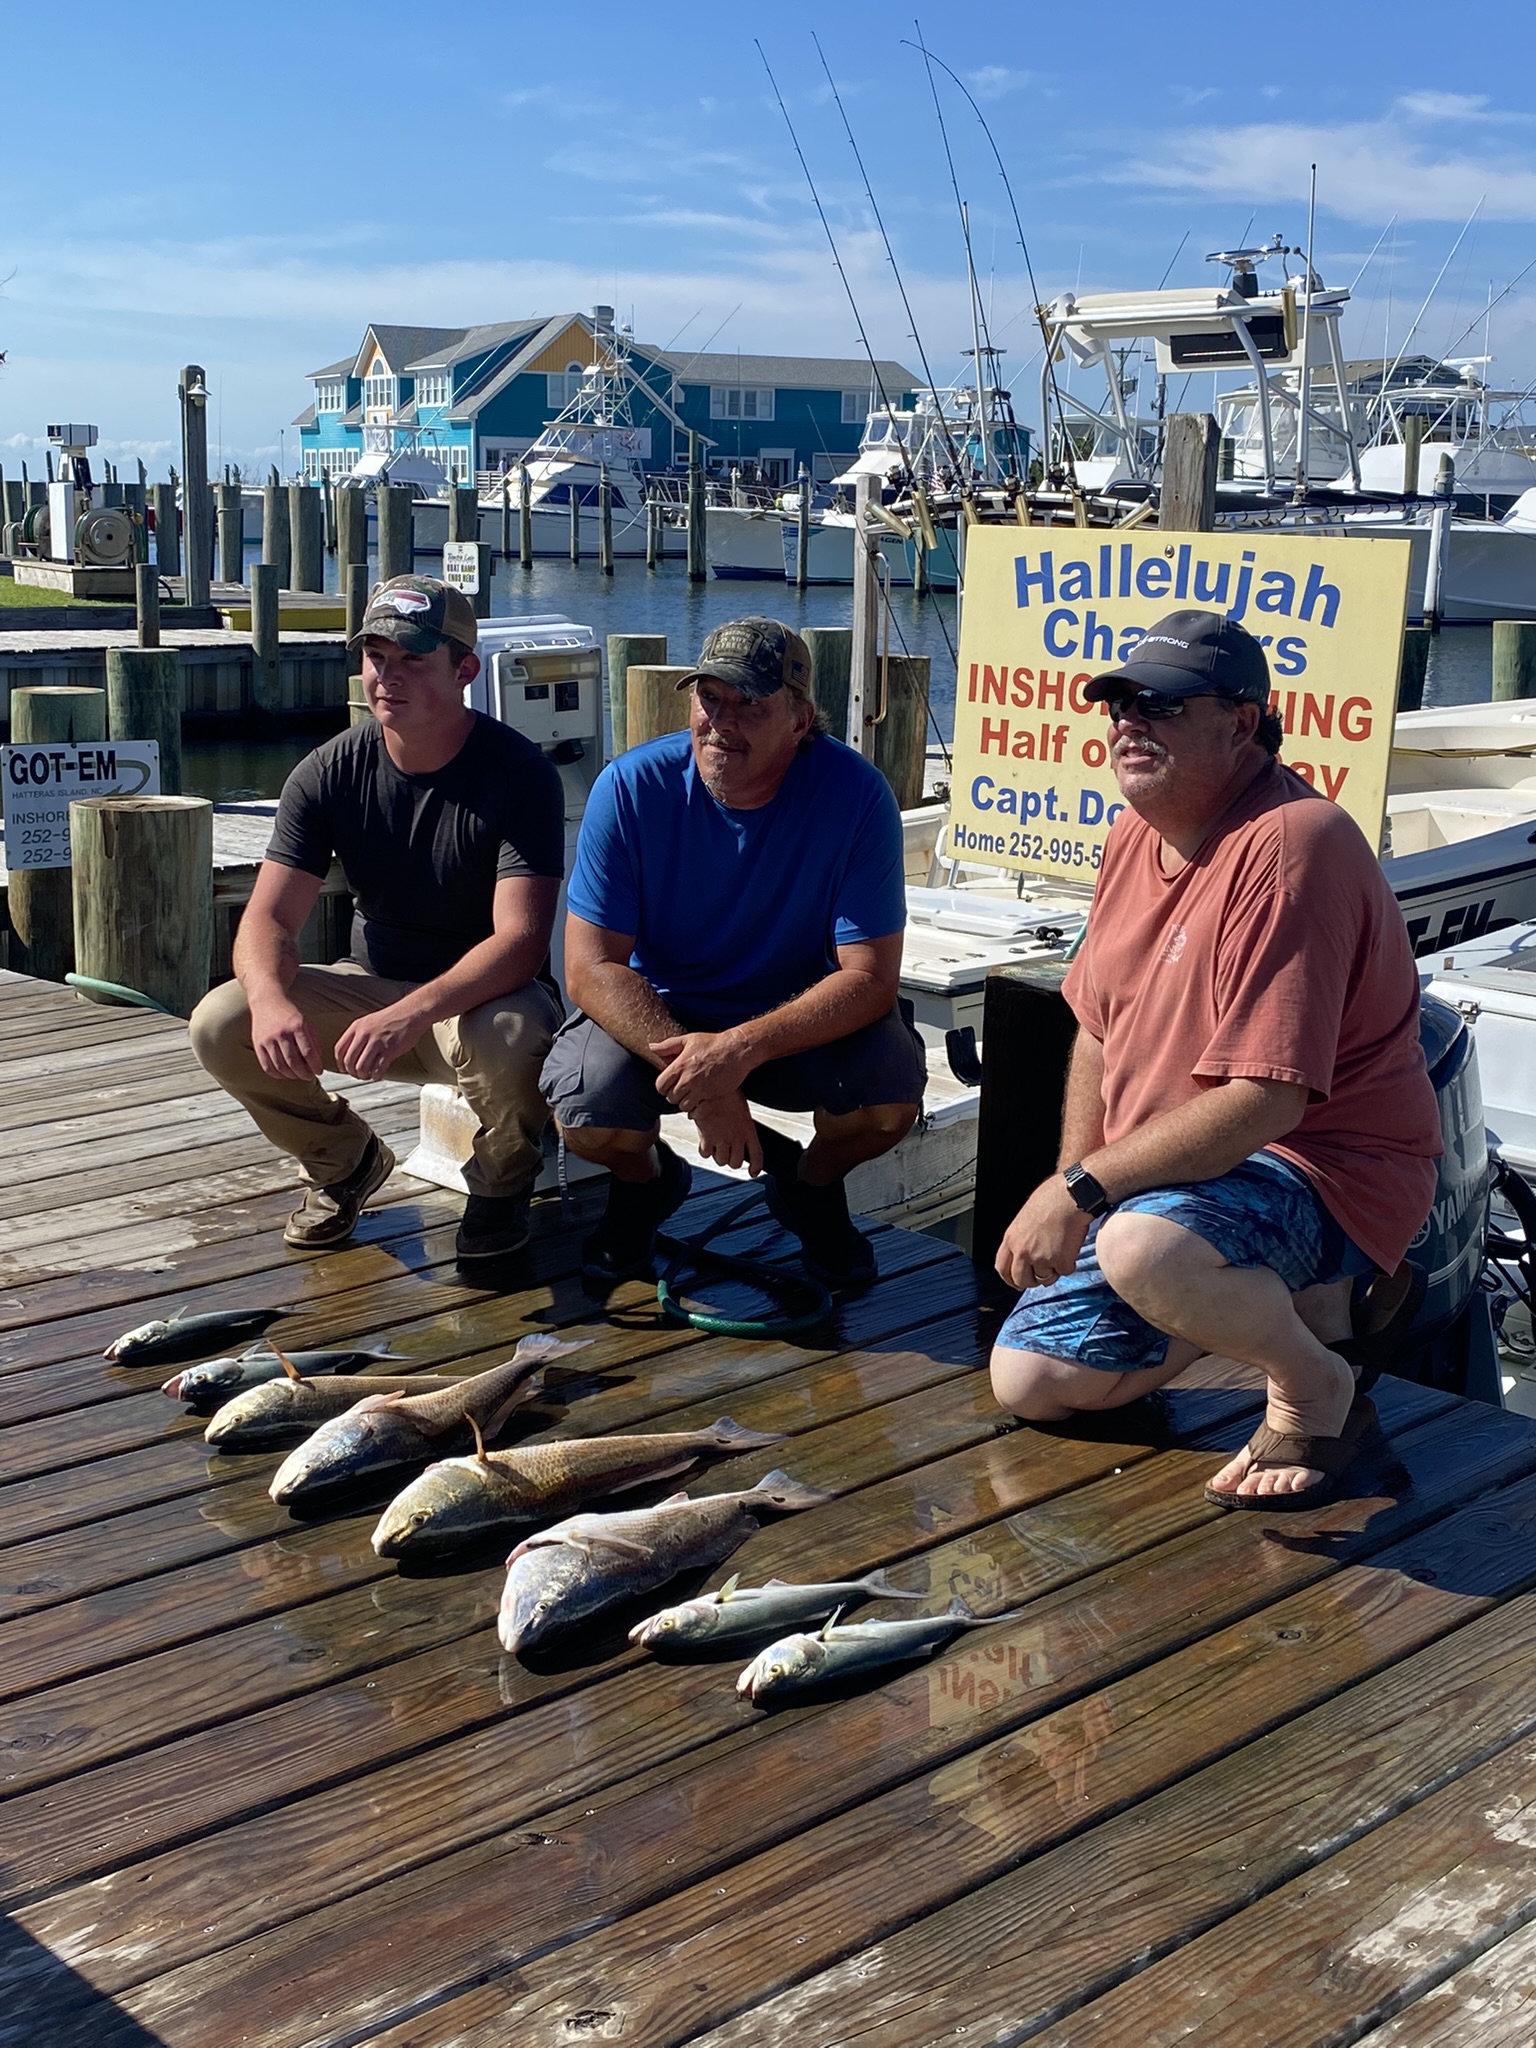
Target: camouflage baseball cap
(755, 656)
(418, 613)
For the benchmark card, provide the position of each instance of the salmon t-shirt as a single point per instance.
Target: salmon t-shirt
(1279, 953)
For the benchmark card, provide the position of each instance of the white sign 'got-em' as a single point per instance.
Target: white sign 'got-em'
(41, 781)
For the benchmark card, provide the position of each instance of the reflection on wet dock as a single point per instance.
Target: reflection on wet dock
(1226, 1778)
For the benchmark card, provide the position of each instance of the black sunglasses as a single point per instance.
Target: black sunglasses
(1153, 705)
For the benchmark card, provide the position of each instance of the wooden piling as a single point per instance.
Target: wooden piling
(144, 703)
(1415, 661)
(167, 536)
(143, 895)
(482, 597)
(13, 503)
(231, 533)
(524, 517)
(1027, 1034)
(197, 509)
(1514, 659)
(831, 649)
(394, 505)
(604, 521)
(276, 535)
(627, 651)
(698, 554)
(575, 503)
(803, 530)
(1413, 441)
(1191, 447)
(463, 514)
(40, 900)
(506, 517)
(146, 597)
(901, 736)
(265, 692)
(328, 507)
(652, 533)
(653, 704)
(306, 533)
(356, 590)
(351, 505)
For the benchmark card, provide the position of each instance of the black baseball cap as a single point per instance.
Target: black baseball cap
(1191, 654)
(418, 613)
(755, 656)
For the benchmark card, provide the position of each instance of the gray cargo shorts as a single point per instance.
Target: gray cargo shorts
(590, 1079)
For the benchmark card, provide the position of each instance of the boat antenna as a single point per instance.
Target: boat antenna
(1429, 295)
(1173, 259)
(1365, 266)
(853, 303)
(930, 60)
(890, 257)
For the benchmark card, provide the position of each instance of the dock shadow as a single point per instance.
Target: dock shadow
(43, 2001)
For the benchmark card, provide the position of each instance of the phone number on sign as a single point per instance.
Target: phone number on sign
(1060, 852)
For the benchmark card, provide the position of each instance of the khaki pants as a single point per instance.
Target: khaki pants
(491, 1054)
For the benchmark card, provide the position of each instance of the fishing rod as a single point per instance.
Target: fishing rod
(1429, 295)
(889, 253)
(930, 59)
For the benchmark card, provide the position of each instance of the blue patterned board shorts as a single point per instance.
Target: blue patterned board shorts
(1262, 1213)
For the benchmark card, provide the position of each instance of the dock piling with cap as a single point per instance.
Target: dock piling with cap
(803, 530)
(276, 534)
(39, 900)
(231, 517)
(698, 554)
(197, 509)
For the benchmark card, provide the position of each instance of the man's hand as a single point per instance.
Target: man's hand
(285, 1046)
(1043, 1240)
(370, 1045)
(700, 1065)
(727, 1133)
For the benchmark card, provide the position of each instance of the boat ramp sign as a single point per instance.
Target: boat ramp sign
(1046, 609)
(42, 781)
(461, 565)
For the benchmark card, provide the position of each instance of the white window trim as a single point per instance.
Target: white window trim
(432, 388)
(330, 394)
(741, 402)
(380, 394)
(857, 406)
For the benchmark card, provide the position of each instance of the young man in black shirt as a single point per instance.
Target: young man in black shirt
(450, 831)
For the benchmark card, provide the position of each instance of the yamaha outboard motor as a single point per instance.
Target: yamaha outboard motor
(1451, 1343)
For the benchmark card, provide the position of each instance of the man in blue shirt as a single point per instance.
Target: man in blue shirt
(734, 936)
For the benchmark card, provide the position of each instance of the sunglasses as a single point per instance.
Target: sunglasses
(1153, 705)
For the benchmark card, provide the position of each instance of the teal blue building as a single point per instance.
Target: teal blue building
(473, 399)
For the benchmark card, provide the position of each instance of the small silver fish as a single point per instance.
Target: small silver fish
(167, 1340)
(218, 1378)
(460, 1500)
(383, 1430)
(277, 1408)
(736, 1611)
(579, 1566)
(800, 1663)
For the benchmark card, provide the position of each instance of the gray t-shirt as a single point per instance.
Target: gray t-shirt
(422, 854)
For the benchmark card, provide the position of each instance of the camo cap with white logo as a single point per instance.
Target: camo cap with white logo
(1191, 654)
(418, 613)
(755, 656)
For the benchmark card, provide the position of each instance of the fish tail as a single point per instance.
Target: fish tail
(778, 1490)
(879, 1585)
(961, 1610)
(727, 1435)
(543, 1345)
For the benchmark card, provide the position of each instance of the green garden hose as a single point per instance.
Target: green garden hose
(119, 994)
(692, 1255)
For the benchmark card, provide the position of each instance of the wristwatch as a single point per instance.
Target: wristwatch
(1086, 1192)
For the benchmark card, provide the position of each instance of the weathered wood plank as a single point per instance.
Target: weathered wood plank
(510, 1899)
(1489, 2003)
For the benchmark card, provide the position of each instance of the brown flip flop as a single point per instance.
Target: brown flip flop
(1269, 1449)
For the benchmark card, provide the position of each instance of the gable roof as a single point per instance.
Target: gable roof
(341, 369)
(401, 346)
(473, 341)
(803, 373)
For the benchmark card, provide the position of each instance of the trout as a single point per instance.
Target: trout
(460, 1499)
(737, 1612)
(167, 1341)
(801, 1663)
(219, 1378)
(566, 1573)
(383, 1430)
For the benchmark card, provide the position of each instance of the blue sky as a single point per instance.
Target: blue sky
(247, 187)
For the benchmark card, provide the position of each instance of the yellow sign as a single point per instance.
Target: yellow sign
(1048, 608)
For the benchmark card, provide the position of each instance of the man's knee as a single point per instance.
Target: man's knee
(220, 1029)
(1038, 1388)
(515, 1027)
(880, 1127)
(600, 1145)
(1136, 1251)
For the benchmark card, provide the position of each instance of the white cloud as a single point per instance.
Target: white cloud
(1444, 106)
(996, 81)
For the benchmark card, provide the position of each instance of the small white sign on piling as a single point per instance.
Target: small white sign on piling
(41, 782)
(461, 565)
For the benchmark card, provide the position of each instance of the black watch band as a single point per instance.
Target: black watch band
(1086, 1191)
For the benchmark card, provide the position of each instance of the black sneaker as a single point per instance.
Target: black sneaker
(623, 1246)
(832, 1249)
(492, 1226)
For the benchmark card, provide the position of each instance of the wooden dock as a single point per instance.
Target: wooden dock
(1234, 1779)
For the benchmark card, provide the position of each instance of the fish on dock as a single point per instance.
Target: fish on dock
(168, 1340)
(384, 1430)
(277, 1408)
(799, 1663)
(576, 1568)
(219, 1378)
(459, 1500)
(737, 1613)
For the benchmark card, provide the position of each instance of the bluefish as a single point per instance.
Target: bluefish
(218, 1378)
(460, 1499)
(573, 1570)
(166, 1341)
(799, 1663)
(737, 1612)
(383, 1430)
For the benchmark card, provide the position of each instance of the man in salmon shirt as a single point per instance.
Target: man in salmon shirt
(1249, 1131)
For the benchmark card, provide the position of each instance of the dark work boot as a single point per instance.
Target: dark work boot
(623, 1246)
(832, 1249)
(493, 1226)
(328, 1215)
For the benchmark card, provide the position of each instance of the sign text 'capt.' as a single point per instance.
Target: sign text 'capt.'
(1046, 611)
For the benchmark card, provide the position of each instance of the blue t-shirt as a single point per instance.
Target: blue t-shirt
(735, 912)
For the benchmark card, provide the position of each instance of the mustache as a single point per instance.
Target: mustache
(1142, 742)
